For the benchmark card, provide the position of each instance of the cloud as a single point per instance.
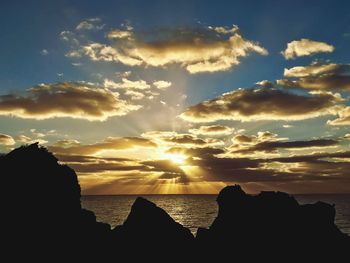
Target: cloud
(70, 38)
(212, 130)
(127, 84)
(66, 143)
(343, 119)
(6, 140)
(161, 84)
(262, 104)
(23, 139)
(134, 95)
(192, 141)
(73, 54)
(198, 50)
(316, 69)
(44, 52)
(101, 52)
(261, 136)
(306, 47)
(318, 76)
(90, 24)
(110, 143)
(323, 82)
(205, 164)
(181, 139)
(65, 99)
(272, 146)
(119, 34)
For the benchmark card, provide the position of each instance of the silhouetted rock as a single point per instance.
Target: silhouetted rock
(271, 225)
(43, 215)
(148, 227)
(42, 219)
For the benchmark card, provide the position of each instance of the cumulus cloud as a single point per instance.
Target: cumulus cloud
(262, 104)
(69, 37)
(212, 130)
(6, 140)
(118, 34)
(261, 136)
(318, 76)
(65, 99)
(90, 24)
(127, 84)
(206, 49)
(306, 47)
(44, 52)
(161, 84)
(102, 52)
(316, 69)
(135, 95)
(135, 84)
(343, 119)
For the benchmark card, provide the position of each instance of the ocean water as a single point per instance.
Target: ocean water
(195, 211)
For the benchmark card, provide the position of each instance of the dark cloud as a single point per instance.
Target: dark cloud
(262, 104)
(65, 99)
(318, 76)
(272, 146)
(192, 140)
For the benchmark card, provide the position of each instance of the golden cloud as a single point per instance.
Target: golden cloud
(6, 140)
(212, 130)
(23, 139)
(110, 143)
(318, 76)
(172, 139)
(127, 84)
(314, 70)
(198, 50)
(306, 47)
(209, 164)
(161, 84)
(66, 99)
(262, 104)
(343, 119)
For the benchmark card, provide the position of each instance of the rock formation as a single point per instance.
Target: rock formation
(42, 219)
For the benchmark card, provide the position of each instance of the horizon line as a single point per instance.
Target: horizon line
(209, 194)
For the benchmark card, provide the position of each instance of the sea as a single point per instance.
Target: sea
(193, 211)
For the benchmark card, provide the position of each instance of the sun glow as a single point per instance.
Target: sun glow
(176, 158)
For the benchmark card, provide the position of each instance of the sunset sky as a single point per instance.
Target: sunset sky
(181, 96)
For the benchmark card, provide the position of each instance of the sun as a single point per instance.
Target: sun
(176, 158)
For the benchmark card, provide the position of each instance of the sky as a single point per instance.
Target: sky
(181, 97)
